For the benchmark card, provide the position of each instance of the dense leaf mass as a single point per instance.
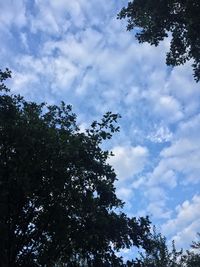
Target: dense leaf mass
(57, 195)
(156, 19)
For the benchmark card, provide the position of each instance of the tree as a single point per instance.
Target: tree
(192, 258)
(159, 254)
(58, 205)
(196, 244)
(154, 20)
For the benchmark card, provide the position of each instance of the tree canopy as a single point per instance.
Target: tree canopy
(154, 20)
(162, 255)
(57, 197)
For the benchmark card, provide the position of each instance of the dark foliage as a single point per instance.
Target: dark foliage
(162, 255)
(57, 195)
(156, 19)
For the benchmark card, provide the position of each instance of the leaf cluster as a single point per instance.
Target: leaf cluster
(155, 20)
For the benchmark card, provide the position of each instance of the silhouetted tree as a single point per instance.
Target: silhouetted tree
(159, 254)
(153, 20)
(192, 258)
(57, 195)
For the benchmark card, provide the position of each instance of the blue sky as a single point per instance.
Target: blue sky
(77, 51)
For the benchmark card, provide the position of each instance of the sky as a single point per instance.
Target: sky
(77, 51)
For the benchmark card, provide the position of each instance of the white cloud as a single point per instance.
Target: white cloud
(185, 225)
(155, 199)
(169, 107)
(163, 176)
(181, 83)
(160, 134)
(185, 237)
(56, 17)
(132, 96)
(178, 166)
(124, 193)
(82, 49)
(158, 210)
(65, 72)
(181, 158)
(184, 161)
(88, 82)
(180, 147)
(21, 80)
(128, 161)
(139, 182)
(12, 13)
(190, 128)
(24, 40)
(166, 107)
(155, 194)
(59, 73)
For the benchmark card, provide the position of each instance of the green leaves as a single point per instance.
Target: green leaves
(153, 20)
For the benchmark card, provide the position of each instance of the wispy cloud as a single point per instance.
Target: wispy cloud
(128, 161)
(184, 226)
